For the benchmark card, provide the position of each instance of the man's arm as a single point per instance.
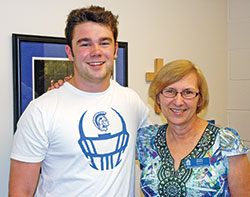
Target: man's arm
(239, 176)
(23, 178)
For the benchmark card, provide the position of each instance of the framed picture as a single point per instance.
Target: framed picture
(39, 59)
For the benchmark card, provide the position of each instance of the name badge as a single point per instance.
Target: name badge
(195, 163)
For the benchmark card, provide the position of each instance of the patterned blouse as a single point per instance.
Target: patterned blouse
(201, 173)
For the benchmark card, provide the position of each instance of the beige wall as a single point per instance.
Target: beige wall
(239, 67)
(169, 29)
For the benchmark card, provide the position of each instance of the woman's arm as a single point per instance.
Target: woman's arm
(239, 176)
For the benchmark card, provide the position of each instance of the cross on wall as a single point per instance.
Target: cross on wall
(150, 76)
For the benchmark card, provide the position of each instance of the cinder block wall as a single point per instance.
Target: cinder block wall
(239, 68)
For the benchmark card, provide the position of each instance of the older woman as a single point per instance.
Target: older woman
(189, 156)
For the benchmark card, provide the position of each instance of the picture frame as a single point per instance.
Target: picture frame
(39, 59)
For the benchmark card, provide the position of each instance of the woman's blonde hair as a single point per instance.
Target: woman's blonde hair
(173, 72)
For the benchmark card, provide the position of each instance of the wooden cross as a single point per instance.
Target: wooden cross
(150, 76)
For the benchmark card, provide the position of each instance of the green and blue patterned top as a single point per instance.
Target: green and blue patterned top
(201, 173)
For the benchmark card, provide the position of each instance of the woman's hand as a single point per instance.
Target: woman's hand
(59, 83)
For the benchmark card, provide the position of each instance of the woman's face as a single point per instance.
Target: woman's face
(178, 110)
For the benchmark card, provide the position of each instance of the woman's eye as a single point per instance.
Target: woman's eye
(170, 91)
(188, 92)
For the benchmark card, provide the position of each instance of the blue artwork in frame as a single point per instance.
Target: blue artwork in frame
(38, 59)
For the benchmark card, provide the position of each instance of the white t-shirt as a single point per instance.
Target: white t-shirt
(86, 141)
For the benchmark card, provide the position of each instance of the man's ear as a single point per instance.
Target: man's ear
(69, 52)
(116, 50)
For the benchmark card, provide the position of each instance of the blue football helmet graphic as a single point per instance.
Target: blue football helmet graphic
(103, 138)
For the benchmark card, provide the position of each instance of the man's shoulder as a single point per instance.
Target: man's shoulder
(50, 98)
(49, 95)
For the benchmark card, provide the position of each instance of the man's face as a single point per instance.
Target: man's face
(94, 51)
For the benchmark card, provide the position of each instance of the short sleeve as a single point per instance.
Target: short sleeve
(30, 141)
(231, 143)
(144, 143)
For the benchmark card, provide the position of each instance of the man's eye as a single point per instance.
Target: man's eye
(105, 43)
(85, 44)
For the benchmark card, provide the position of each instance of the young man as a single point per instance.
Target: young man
(83, 134)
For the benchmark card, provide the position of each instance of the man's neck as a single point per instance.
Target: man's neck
(88, 86)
